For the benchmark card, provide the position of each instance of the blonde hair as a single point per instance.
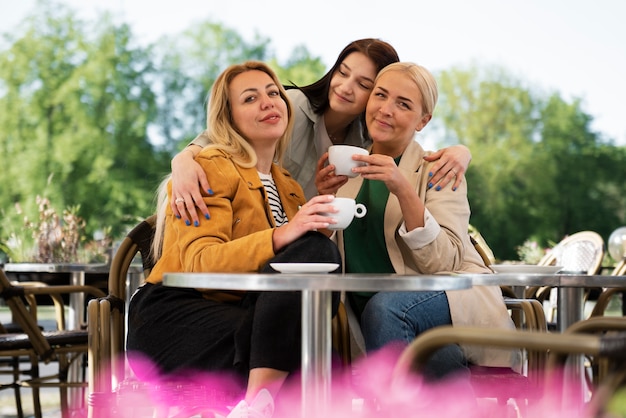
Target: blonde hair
(159, 230)
(221, 131)
(224, 135)
(424, 80)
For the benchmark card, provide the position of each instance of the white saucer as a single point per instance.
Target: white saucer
(525, 268)
(304, 267)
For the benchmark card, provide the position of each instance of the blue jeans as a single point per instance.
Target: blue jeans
(392, 317)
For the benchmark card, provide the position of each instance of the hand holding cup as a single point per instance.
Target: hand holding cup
(341, 157)
(347, 209)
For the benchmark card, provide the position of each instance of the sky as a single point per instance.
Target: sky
(574, 47)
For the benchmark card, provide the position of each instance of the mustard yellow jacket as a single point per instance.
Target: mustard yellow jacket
(238, 237)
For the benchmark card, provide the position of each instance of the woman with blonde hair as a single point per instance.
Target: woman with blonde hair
(261, 213)
(411, 229)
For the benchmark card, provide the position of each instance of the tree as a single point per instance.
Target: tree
(75, 105)
(538, 171)
(490, 112)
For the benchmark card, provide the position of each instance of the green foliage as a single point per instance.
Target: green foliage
(537, 168)
(75, 113)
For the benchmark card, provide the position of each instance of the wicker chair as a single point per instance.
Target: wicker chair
(606, 295)
(579, 252)
(556, 346)
(64, 347)
(107, 323)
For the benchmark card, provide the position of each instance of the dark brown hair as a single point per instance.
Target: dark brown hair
(380, 52)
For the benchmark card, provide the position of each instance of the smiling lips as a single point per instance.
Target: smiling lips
(342, 98)
(271, 118)
(382, 123)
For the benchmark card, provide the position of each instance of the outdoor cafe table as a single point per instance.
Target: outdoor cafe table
(77, 273)
(570, 289)
(316, 310)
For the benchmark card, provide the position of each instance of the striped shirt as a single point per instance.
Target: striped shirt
(280, 217)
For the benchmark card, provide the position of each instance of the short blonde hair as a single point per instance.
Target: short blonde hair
(423, 79)
(220, 128)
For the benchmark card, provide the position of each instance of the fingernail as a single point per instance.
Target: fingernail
(210, 191)
(430, 174)
(438, 188)
(430, 185)
(187, 223)
(207, 216)
(196, 223)
(454, 189)
(178, 216)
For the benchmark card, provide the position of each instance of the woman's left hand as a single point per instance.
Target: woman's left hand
(452, 163)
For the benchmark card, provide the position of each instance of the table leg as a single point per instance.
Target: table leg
(570, 310)
(76, 319)
(316, 351)
(569, 306)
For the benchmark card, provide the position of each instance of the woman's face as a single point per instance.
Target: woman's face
(352, 84)
(259, 113)
(394, 110)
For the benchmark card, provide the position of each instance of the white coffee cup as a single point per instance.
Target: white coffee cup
(341, 157)
(348, 209)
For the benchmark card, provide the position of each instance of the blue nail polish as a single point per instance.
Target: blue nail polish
(210, 192)
(438, 188)
(454, 189)
(187, 223)
(196, 223)
(430, 185)
(178, 216)
(430, 174)
(207, 216)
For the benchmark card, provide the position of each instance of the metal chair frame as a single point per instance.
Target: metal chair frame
(64, 347)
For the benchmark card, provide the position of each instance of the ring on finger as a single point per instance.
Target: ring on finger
(179, 200)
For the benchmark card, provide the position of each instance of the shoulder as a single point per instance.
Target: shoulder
(301, 104)
(217, 159)
(413, 154)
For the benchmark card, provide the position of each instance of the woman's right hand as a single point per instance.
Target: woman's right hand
(326, 181)
(188, 179)
(310, 217)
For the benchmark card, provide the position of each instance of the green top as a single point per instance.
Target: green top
(364, 239)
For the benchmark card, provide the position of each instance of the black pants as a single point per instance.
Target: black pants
(179, 330)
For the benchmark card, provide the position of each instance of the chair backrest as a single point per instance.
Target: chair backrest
(137, 241)
(579, 252)
(12, 296)
(620, 268)
(481, 246)
(107, 319)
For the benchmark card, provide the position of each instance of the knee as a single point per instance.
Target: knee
(378, 312)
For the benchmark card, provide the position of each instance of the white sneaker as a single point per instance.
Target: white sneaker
(261, 407)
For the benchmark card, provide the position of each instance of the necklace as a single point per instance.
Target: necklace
(335, 139)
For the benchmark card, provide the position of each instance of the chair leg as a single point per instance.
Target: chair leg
(35, 388)
(16, 387)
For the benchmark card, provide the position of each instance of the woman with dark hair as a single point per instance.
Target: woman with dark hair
(326, 112)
